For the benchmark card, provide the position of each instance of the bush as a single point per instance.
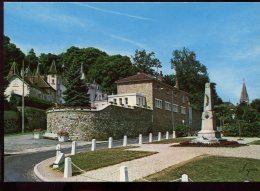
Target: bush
(247, 129)
(182, 130)
(16, 100)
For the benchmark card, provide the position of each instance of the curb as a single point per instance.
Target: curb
(38, 174)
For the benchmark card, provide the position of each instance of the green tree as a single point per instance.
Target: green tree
(76, 90)
(192, 76)
(108, 69)
(32, 60)
(169, 79)
(10, 54)
(46, 61)
(145, 62)
(255, 104)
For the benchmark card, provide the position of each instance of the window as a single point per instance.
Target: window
(167, 106)
(158, 103)
(126, 101)
(120, 101)
(183, 110)
(115, 101)
(175, 108)
(52, 81)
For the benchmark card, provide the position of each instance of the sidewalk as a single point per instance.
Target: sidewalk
(143, 167)
(21, 144)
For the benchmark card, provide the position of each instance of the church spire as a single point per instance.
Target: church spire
(82, 72)
(37, 72)
(52, 69)
(13, 70)
(244, 96)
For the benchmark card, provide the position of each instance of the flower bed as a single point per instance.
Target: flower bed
(223, 143)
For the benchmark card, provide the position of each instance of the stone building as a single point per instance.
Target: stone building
(47, 87)
(161, 98)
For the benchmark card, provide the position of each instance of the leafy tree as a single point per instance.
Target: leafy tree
(46, 61)
(108, 69)
(192, 76)
(76, 92)
(169, 79)
(32, 60)
(224, 113)
(255, 104)
(87, 56)
(145, 62)
(10, 54)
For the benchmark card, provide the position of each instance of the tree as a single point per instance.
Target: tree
(145, 62)
(76, 92)
(192, 76)
(32, 60)
(108, 69)
(255, 104)
(169, 79)
(10, 54)
(46, 61)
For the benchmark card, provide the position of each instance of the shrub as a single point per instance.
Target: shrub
(39, 130)
(182, 130)
(63, 132)
(247, 129)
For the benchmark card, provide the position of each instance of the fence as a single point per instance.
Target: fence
(93, 147)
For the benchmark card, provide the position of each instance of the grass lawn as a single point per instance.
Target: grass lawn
(255, 142)
(169, 141)
(104, 157)
(212, 169)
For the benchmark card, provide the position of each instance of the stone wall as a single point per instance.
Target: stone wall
(112, 121)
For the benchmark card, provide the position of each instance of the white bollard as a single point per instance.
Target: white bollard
(140, 139)
(167, 134)
(123, 174)
(93, 145)
(159, 136)
(110, 142)
(58, 150)
(173, 135)
(67, 168)
(150, 137)
(125, 141)
(73, 147)
(184, 178)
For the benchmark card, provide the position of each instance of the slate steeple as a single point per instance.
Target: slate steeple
(244, 96)
(13, 70)
(53, 69)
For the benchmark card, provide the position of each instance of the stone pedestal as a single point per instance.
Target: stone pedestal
(208, 133)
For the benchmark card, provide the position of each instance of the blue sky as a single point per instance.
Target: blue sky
(224, 36)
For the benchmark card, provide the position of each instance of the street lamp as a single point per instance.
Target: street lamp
(239, 129)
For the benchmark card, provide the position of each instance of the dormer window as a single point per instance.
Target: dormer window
(52, 81)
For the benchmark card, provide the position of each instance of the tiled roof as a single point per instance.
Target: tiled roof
(137, 77)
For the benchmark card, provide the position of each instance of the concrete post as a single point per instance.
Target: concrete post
(73, 147)
(67, 168)
(150, 137)
(125, 141)
(184, 178)
(124, 174)
(140, 139)
(110, 142)
(159, 136)
(167, 134)
(93, 145)
(58, 150)
(173, 135)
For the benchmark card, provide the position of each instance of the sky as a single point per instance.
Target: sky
(224, 36)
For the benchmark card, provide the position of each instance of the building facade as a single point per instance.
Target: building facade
(170, 105)
(47, 87)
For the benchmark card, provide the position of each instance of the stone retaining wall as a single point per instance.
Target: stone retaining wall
(112, 121)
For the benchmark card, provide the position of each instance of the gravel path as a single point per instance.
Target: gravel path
(142, 167)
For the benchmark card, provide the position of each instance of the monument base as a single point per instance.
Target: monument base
(208, 137)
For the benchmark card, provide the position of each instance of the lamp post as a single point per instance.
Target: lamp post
(23, 99)
(239, 129)
(172, 115)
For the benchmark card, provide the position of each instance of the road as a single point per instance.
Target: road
(19, 168)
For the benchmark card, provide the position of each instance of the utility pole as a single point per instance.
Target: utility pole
(23, 99)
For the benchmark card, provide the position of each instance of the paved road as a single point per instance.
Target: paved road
(19, 168)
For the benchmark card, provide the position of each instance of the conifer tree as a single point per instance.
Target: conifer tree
(76, 90)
